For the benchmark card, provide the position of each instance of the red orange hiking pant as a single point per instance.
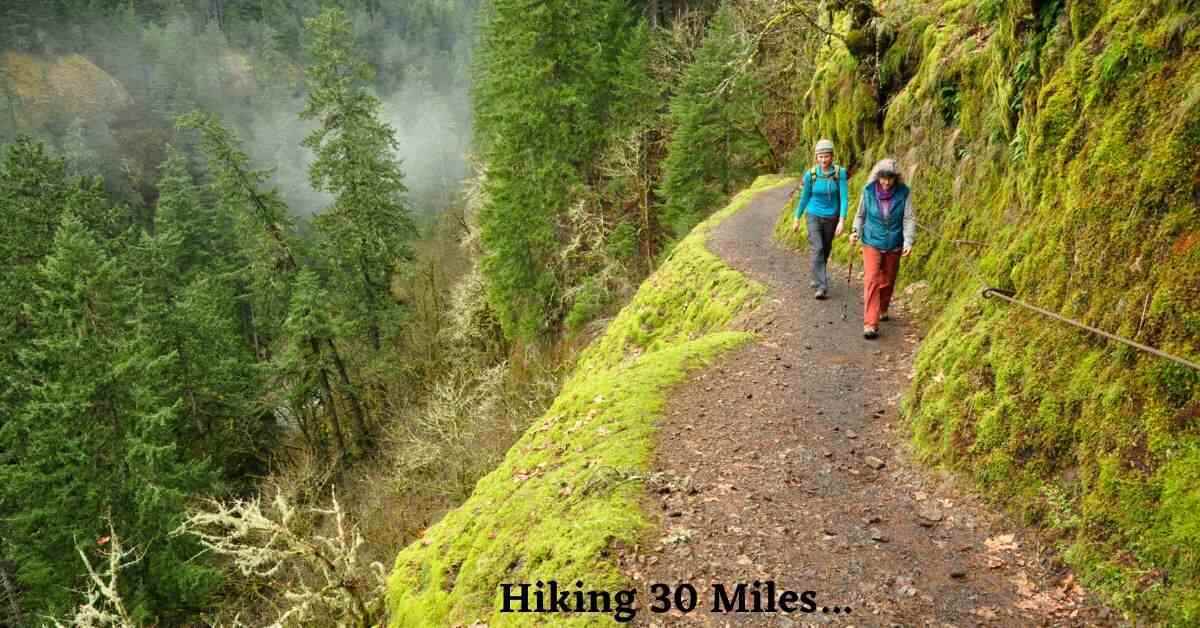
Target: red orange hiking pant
(879, 277)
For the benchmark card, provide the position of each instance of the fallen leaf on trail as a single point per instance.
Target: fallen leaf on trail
(679, 535)
(1068, 588)
(1025, 586)
(1001, 543)
(1027, 605)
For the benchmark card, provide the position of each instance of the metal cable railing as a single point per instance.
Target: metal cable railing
(1010, 297)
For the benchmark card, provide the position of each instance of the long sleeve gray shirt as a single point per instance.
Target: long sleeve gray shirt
(910, 217)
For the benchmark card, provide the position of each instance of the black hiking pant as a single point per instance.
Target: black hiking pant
(820, 245)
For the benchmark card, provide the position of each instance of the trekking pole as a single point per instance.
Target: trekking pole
(849, 270)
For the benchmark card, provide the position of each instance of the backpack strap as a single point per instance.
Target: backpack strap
(836, 176)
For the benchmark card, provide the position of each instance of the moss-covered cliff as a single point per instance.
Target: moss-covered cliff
(567, 492)
(1064, 137)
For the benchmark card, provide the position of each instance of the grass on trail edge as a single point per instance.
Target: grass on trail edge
(567, 494)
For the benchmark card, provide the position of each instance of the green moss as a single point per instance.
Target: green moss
(903, 57)
(566, 496)
(1083, 14)
(589, 300)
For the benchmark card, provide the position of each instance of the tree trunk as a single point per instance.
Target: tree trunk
(8, 591)
(335, 422)
(216, 10)
(369, 289)
(356, 410)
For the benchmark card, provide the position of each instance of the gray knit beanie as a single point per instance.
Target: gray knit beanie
(824, 146)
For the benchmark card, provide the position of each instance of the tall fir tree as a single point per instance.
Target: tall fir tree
(189, 273)
(542, 98)
(94, 438)
(269, 241)
(266, 233)
(307, 363)
(34, 190)
(365, 235)
(715, 144)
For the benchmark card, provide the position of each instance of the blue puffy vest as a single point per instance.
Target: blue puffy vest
(879, 233)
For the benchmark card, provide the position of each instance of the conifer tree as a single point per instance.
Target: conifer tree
(262, 219)
(206, 233)
(366, 233)
(542, 97)
(94, 437)
(34, 189)
(307, 362)
(265, 229)
(187, 273)
(715, 142)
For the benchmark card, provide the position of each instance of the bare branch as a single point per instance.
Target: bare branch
(791, 10)
(263, 546)
(103, 606)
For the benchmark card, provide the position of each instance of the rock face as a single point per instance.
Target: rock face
(37, 88)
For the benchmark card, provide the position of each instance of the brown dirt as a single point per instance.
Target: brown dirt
(765, 476)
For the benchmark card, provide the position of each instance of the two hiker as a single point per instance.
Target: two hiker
(885, 222)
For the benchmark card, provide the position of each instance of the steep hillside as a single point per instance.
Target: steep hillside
(1055, 149)
(69, 85)
(567, 491)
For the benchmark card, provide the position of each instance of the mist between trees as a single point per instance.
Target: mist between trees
(101, 82)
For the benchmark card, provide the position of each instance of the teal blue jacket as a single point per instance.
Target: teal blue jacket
(826, 196)
(891, 233)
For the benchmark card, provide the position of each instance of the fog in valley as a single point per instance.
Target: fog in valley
(102, 88)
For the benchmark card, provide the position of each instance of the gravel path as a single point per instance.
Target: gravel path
(786, 461)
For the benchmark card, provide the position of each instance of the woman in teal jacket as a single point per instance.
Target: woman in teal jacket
(887, 224)
(825, 200)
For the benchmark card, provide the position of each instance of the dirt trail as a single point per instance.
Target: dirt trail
(786, 460)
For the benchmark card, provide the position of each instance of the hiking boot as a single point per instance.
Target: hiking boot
(869, 332)
(884, 317)
(820, 295)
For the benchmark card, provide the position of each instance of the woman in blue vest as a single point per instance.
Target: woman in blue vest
(825, 200)
(887, 224)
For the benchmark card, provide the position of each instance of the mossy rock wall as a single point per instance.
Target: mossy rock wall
(566, 497)
(1065, 138)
